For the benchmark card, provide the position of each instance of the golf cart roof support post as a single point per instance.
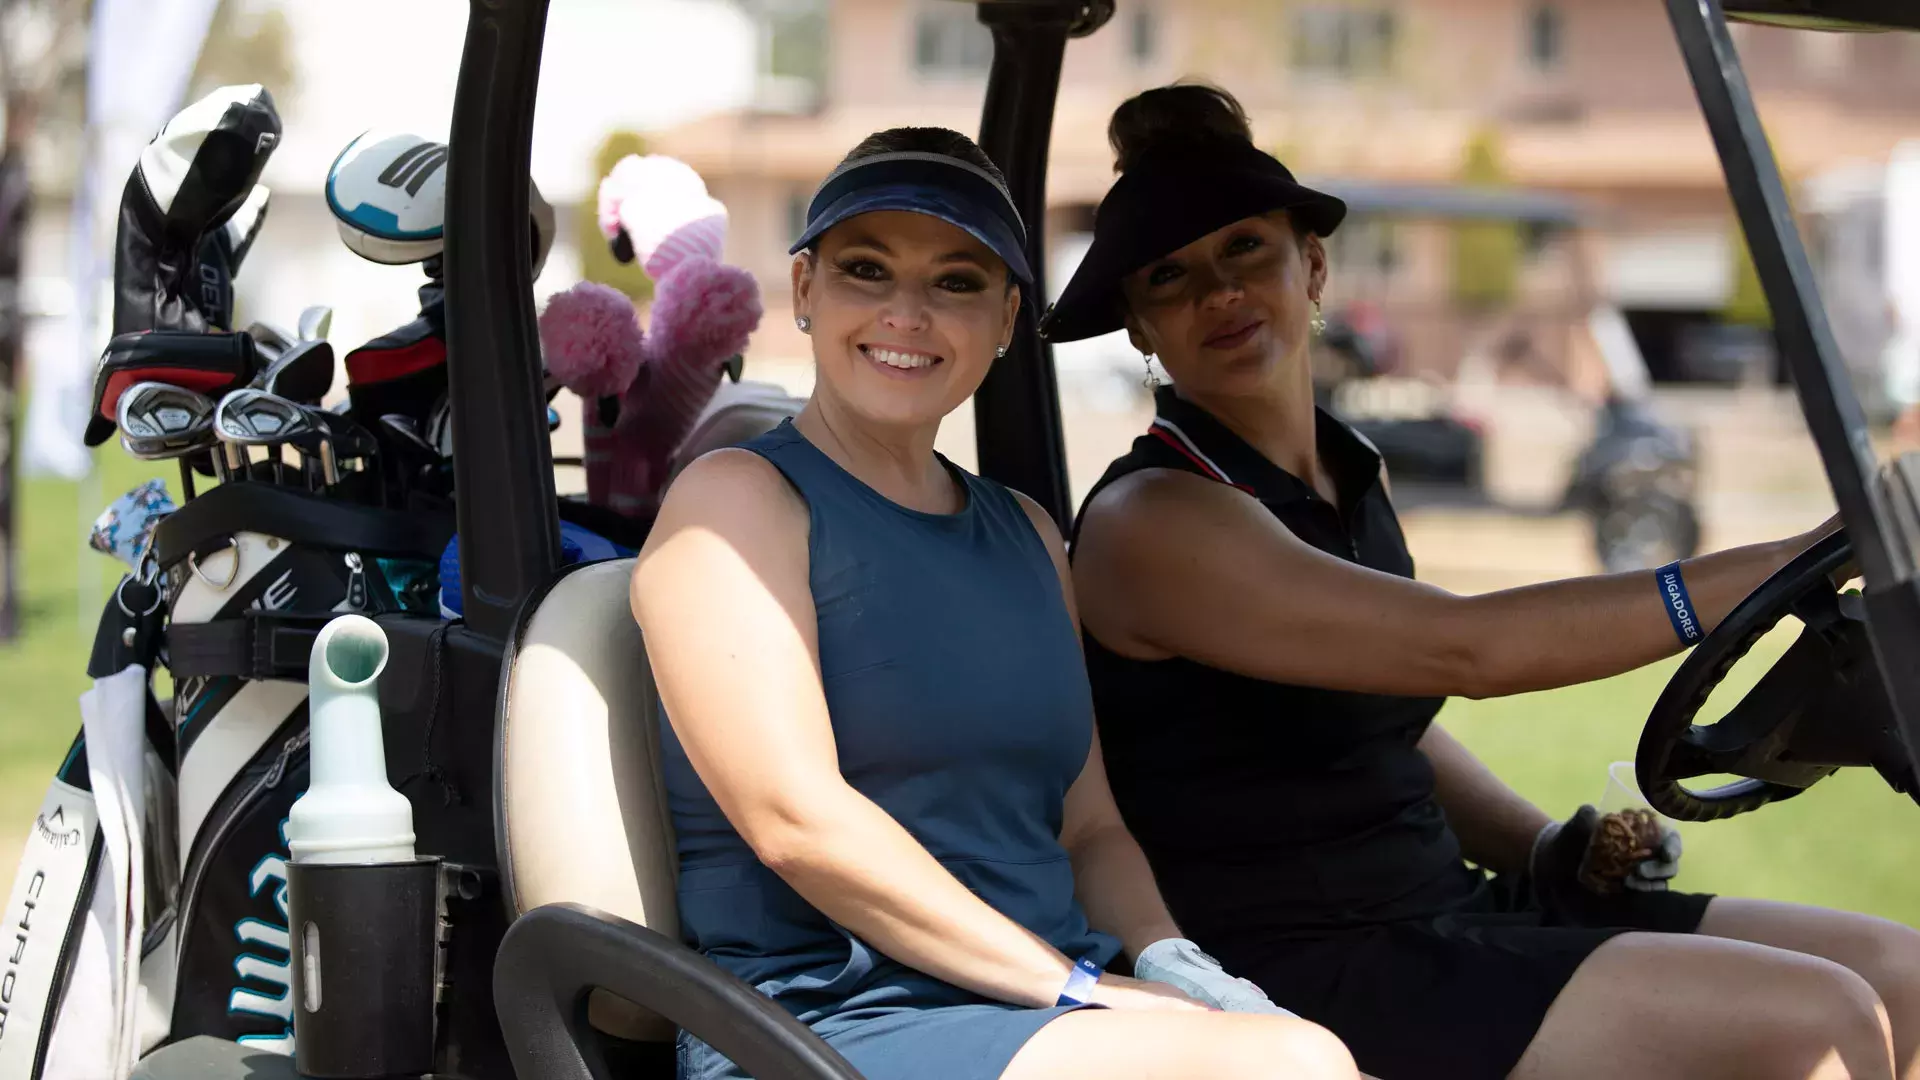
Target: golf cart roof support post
(1827, 399)
(1017, 431)
(502, 465)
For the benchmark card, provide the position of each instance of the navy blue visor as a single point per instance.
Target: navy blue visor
(954, 191)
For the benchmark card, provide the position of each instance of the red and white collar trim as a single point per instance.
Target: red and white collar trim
(1169, 432)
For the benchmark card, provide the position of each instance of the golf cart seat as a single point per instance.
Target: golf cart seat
(586, 852)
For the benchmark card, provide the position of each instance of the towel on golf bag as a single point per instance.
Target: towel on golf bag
(78, 912)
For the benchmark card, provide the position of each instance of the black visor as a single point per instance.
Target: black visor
(1162, 205)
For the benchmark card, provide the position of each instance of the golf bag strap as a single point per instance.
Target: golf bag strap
(130, 628)
(255, 645)
(298, 518)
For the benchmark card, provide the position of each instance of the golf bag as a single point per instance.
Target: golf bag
(152, 898)
(150, 901)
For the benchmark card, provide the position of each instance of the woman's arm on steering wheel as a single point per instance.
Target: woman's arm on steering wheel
(722, 596)
(1172, 564)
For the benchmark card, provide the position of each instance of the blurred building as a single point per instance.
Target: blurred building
(1584, 102)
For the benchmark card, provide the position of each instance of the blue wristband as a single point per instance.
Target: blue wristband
(1673, 590)
(1080, 983)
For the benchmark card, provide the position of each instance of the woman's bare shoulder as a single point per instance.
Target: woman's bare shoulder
(1155, 502)
(730, 486)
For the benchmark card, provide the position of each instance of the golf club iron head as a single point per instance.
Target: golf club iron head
(272, 339)
(158, 421)
(253, 417)
(407, 430)
(315, 322)
(302, 374)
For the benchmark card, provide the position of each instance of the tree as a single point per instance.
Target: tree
(1486, 254)
(596, 258)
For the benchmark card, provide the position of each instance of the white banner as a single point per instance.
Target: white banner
(1901, 360)
(139, 57)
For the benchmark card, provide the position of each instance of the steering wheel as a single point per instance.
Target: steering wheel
(1822, 706)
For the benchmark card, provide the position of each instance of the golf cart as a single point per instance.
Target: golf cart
(551, 937)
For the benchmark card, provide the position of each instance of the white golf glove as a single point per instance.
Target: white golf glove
(1180, 964)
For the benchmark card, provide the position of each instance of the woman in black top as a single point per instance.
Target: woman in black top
(1266, 673)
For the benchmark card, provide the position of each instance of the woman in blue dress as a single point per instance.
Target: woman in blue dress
(889, 801)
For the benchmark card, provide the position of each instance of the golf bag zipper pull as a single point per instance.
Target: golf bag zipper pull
(356, 581)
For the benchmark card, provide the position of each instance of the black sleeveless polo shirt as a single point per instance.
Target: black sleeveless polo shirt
(1270, 810)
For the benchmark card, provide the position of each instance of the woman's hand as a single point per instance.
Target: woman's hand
(1135, 995)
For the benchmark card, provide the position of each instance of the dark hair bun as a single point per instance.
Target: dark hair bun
(1178, 118)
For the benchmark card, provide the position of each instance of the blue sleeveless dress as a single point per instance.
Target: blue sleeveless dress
(960, 705)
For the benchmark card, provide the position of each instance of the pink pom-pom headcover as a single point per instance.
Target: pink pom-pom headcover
(702, 315)
(663, 206)
(592, 339)
(704, 310)
(620, 184)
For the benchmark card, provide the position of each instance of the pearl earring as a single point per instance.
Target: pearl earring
(805, 324)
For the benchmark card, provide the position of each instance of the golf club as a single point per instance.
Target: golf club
(272, 339)
(315, 322)
(302, 374)
(158, 421)
(253, 417)
(413, 458)
(338, 439)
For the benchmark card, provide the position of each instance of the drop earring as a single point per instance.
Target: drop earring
(805, 324)
(1150, 381)
(1319, 323)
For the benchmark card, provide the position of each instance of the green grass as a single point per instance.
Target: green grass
(43, 671)
(1846, 843)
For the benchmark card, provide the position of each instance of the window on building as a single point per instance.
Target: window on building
(797, 202)
(794, 39)
(1365, 247)
(1344, 41)
(1546, 30)
(1143, 34)
(948, 39)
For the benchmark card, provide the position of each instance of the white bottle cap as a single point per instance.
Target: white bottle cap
(350, 813)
